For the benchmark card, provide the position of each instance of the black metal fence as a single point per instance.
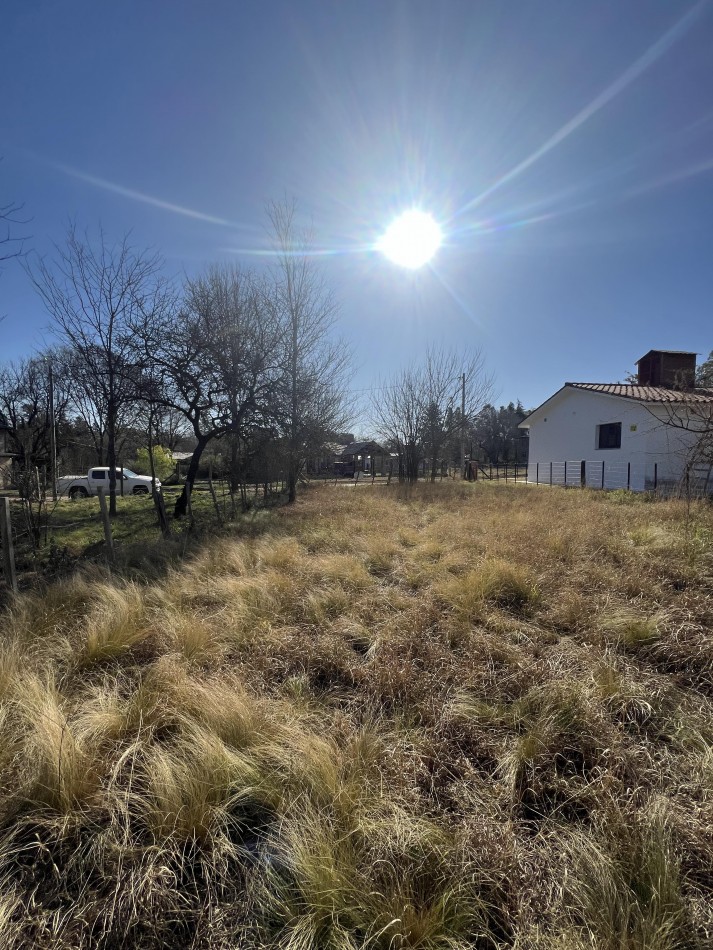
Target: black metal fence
(515, 471)
(693, 481)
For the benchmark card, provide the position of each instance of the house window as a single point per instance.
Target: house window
(609, 436)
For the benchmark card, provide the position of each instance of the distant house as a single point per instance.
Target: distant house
(618, 435)
(365, 456)
(323, 461)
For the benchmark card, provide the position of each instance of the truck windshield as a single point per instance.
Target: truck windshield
(129, 474)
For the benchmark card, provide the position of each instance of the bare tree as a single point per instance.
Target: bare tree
(688, 412)
(26, 411)
(89, 404)
(25, 407)
(693, 418)
(316, 364)
(10, 244)
(217, 359)
(94, 292)
(169, 426)
(419, 410)
(704, 373)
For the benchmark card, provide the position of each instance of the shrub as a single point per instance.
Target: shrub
(162, 460)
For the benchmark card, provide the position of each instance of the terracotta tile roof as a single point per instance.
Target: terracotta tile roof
(648, 393)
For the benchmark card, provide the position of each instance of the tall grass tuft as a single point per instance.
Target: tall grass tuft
(496, 583)
(195, 788)
(60, 770)
(627, 886)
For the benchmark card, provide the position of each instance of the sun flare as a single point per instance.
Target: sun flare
(411, 240)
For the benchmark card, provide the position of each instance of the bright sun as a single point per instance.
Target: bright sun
(411, 240)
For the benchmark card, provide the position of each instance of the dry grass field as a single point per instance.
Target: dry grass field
(465, 716)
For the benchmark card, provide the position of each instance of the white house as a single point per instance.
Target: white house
(614, 435)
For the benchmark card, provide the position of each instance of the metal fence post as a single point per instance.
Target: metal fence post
(582, 474)
(603, 464)
(628, 476)
(550, 474)
(656, 475)
(537, 473)
(565, 474)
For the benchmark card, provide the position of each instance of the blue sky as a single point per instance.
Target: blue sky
(565, 147)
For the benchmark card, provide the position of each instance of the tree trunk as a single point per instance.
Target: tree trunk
(111, 461)
(291, 485)
(182, 502)
(234, 464)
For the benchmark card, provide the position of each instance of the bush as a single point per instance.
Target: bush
(162, 459)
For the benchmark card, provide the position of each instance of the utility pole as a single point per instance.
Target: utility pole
(462, 427)
(53, 438)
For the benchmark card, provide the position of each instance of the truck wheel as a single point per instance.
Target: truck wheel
(140, 491)
(78, 492)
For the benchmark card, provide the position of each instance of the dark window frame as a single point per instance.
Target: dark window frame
(609, 436)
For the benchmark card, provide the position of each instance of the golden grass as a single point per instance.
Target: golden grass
(439, 717)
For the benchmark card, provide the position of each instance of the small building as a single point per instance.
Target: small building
(365, 456)
(622, 435)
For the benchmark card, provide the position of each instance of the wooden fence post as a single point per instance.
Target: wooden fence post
(8, 551)
(161, 512)
(107, 523)
(213, 495)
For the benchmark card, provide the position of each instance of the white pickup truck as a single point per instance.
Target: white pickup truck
(127, 483)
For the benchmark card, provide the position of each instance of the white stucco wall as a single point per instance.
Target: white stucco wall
(565, 430)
